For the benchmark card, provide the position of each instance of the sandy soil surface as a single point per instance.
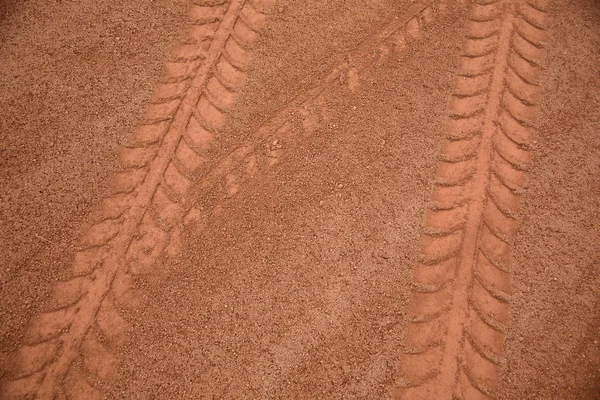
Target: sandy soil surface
(342, 199)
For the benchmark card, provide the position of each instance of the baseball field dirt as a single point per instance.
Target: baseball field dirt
(268, 199)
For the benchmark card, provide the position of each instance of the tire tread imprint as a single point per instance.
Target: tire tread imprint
(493, 106)
(76, 339)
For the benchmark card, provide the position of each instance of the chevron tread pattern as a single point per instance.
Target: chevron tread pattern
(459, 311)
(70, 349)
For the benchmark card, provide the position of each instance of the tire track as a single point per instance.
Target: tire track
(302, 116)
(275, 139)
(69, 350)
(461, 293)
(168, 167)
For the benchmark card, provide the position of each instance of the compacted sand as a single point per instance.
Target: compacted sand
(319, 200)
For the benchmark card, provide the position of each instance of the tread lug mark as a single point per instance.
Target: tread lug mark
(86, 261)
(474, 66)
(111, 323)
(479, 48)
(479, 30)
(176, 72)
(414, 365)
(237, 55)
(156, 111)
(499, 222)
(471, 85)
(147, 247)
(184, 53)
(229, 76)
(434, 276)
(206, 13)
(150, 133)
(197, 137)
(176, 181)
(459, 150)
(462, 287)
(166, 210)
(169, 91)
(437, 249)
(99, 234)
(126, 295)
(486, 12)
(465, 107)
(98, 359)
(526, 50)
(72, 347)
(530, 33)
(464, 128)
(199, 35)
(421, 337)
(447, 197)
(253, 17)
(211, 3)
(507, 149)
(523, 69)
(515, 131)
(519, 111)
(32, 358)
(534, 17)
(523, 91)
(221, 96)
(127, 181)
(244, 35)
(510, 177)
(136, 157)
(426, 305)
(67, 293)
(211, 117)
(187, 161)
(111, 207)
(451, 174)
(413, 30)
(21, 388)
(50, 325)
(78, 388)
(444, 222)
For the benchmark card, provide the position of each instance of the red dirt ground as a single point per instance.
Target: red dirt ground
(285, 270)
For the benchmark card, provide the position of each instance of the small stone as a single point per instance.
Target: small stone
(281, 9)
(521, 338)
